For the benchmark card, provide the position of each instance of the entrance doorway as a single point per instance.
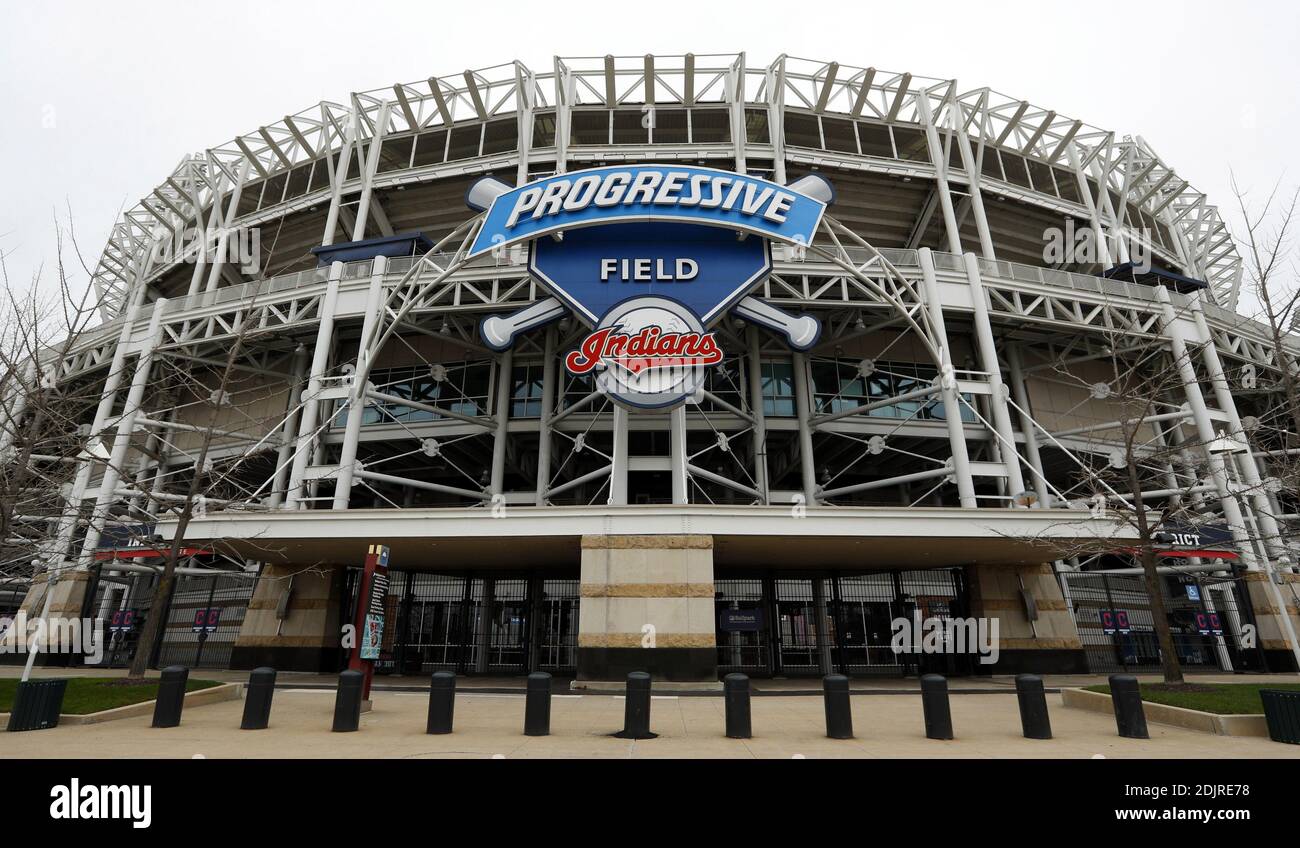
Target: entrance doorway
(499, 625)
(787, 626)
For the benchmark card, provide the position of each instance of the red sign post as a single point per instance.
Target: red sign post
(369, 619)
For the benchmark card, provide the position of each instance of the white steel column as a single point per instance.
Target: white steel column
(948, 384)
(549, 391)
(339, 175)
(803, 408)
(288, 433)
(677, 439)
(122, 439)
(753, 369)
(1090, 203)
(371, 167)
(989, 359)
(618, 471)
(360, 380)
(940, 162)
(1020, 389)
(311, 407)
(974, 178)
(501, 409)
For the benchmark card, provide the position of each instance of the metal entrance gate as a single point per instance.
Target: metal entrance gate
(789, 627)
(478, 625)
(1117, 629)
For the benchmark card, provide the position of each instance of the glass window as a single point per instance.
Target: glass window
(465, 142)
(840, 386)
(544, 129)
(631, 127)
(461, 387)
(778, 389)
(756, 127)
(299, 178)
(526, 392)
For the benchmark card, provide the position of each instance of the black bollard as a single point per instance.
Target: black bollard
(736, 694)
(171, 697)
(839, 708)
(636, 711)
(1034, 719)
(347, 702)
(537, 705)
(1125, 695)
(934, 703)
(257, 700)
(442, 702)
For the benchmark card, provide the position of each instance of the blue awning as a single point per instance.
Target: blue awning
(1154, 276)
(405, 244)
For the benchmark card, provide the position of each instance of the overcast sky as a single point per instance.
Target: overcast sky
(102, 99)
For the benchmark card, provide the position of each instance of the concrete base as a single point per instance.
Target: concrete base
(211, 695)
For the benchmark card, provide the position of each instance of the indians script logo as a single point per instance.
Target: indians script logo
(651, 258)
(649, 352)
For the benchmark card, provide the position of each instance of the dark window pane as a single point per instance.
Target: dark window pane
(544, 129)
(395, 153)
(670, 126)
(756, 127)
(464, 142)
(910, 144)
(500, 136)
(839, 135)
(802, 131)
(430, 148)
(589, 127)
(629, 128)
(710, 126)
(875, 140)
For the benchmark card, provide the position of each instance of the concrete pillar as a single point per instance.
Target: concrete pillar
(647, 605)
(1048, 645)
(309, 637)
(618, 473)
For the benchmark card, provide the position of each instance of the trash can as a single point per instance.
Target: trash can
(37, 704)
(1282, 711)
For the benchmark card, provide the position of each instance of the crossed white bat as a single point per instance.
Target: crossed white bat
(499, 331)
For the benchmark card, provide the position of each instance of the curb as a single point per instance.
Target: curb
(198, 698)
(1218, 725)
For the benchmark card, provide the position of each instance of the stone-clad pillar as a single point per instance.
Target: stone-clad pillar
(647, 605)
(1272, 635)
(309, 636)
(1048, 645)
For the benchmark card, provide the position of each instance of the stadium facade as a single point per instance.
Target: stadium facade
(901, 422)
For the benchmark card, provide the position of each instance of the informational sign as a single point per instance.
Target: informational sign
(206, 620)
(1115, 621)
(651, 257)
(123, 621)
(372, 637)
(741, 621)
(370, 613)
(1193, 592)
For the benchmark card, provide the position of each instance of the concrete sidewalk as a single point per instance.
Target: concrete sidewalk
(488, 725)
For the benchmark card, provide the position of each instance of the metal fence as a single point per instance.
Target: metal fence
(1207, 616)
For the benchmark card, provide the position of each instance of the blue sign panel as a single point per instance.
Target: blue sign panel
(703, 268)
(632, 193)
(741, 621)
